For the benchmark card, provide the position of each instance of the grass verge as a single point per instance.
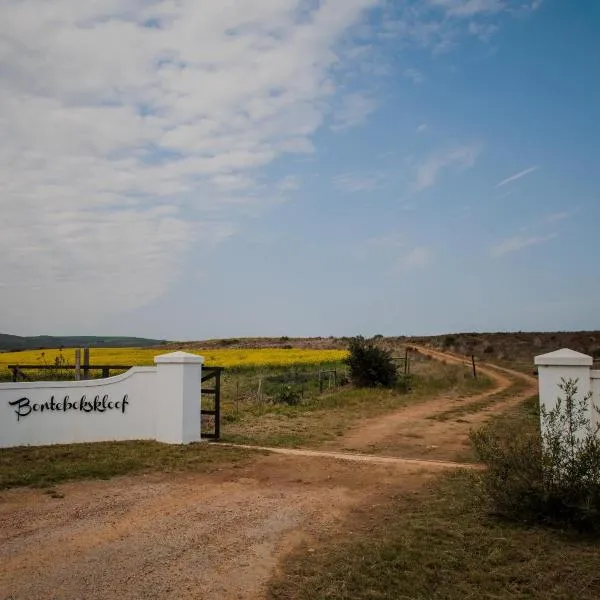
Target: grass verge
(44, 466)
(437, 544)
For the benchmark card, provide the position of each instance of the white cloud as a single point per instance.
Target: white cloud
(470, 8)
(422, 128)
(353, 110)
(417, 258)
(457, 157)
(516, 243)
(388, 241)
(132, 132)
(558, 216)
(289, 184)
(517, 176)
(414, 75)
(350, 182)
(484, 31)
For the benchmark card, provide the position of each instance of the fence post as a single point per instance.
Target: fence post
(77, 364)
(178, 397)
(218, 405)
(86, 363)
(474, 367)
(563, 364)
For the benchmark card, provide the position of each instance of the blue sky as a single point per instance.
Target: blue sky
(281, 167)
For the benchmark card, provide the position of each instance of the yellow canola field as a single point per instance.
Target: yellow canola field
(227, 357)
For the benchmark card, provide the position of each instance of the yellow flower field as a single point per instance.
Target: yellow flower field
(227, 357)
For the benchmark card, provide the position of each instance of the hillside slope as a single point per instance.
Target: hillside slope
(17, 342)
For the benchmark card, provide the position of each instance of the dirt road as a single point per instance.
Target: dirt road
(221, 535)
(438, 429)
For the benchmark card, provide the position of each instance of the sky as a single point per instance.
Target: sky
(192, 169)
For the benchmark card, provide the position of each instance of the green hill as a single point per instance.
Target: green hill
(17, 342)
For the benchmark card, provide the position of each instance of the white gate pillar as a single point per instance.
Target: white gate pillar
(178, 397)
(563, 364)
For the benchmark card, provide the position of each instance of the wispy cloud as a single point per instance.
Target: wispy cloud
(457, 157)
(422, 128)
(289, 184)
(417, 258)
(354, 110)
(350, 182)
(388, 241)
(517, 176)
(414, 75)
(516, 243)
(557, 217)
(470, 8)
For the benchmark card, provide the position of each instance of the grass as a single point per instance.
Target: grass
(48, 465)
(437, 544)
(319, 419)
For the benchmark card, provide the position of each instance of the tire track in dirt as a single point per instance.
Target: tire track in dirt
(361, 458)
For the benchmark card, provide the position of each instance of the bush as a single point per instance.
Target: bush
(369, 365)
(552, 478)
(449, 340)
(288, 395)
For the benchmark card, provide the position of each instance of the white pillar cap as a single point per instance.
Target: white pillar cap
(179, 358)
(565, 358)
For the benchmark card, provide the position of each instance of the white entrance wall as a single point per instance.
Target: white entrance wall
(146, 403)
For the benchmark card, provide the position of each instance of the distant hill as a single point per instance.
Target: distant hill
(17, 342)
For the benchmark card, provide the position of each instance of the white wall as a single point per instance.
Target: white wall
(161, 402)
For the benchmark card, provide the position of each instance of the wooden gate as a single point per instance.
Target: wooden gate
(210, 374)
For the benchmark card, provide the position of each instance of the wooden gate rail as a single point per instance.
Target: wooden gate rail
(18, 369)
(209, 373)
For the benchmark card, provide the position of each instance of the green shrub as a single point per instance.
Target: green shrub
(449, 340)
(288, 395)
(369, 365)
(552, 478)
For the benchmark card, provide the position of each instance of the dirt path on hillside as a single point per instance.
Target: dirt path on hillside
(220, 536)
(438, 429)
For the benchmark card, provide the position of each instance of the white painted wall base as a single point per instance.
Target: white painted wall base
(146, 403)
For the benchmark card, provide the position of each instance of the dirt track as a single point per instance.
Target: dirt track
(220, 535)
(420, 431)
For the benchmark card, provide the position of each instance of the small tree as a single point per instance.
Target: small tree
(370, 366)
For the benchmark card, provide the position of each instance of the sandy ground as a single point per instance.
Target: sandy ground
(220, 535)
